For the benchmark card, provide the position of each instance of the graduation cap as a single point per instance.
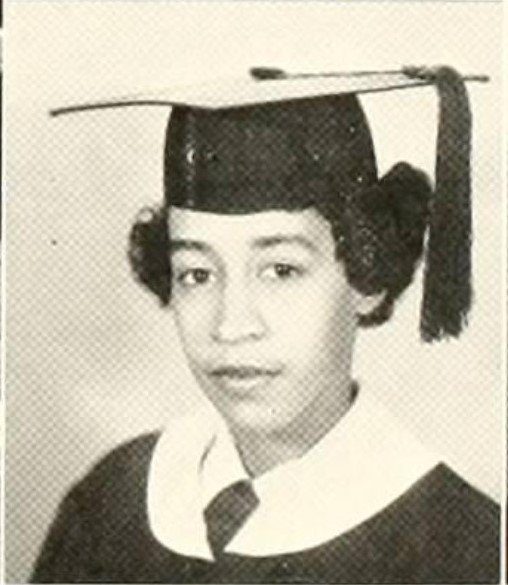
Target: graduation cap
(276, 140)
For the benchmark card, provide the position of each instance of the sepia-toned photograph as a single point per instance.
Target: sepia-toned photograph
(255, 292)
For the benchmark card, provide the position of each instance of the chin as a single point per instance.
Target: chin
(256, 418)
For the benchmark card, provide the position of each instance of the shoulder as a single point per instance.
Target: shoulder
(109, 501)
(129, 458)
(461, 506)
(117, 481)
(451, 527)
(118, 484)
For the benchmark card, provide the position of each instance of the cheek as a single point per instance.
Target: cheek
(312, 324)
(193, 319)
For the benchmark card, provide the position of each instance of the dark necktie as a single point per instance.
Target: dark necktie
(227, 513)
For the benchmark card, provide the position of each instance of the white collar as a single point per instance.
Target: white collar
(362, 465)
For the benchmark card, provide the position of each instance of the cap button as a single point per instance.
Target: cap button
(211, 156)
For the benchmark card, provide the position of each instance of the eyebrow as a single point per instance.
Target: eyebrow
(262, 243)
(177, 245)
(277, 240)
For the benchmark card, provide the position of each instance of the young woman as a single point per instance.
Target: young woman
(276, 240)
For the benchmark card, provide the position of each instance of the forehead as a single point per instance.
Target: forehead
(219, 230)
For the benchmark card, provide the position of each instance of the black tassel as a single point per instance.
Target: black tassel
(447, 291)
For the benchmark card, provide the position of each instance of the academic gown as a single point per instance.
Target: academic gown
(439, 530)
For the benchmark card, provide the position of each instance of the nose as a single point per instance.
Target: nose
(238, 317)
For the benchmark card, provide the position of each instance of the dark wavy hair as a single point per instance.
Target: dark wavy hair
(379, 235)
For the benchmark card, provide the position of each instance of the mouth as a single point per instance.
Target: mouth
(244, 376)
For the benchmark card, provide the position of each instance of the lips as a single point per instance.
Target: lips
(243, 372)
(244, 377)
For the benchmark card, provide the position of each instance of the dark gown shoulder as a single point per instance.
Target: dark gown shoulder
(98, 514)
(441, 530)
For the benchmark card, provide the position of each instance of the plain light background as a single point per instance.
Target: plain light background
(91, 358)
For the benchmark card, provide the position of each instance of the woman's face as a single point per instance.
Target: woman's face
(265, 314)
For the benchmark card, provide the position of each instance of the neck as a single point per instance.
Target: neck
(262, 450)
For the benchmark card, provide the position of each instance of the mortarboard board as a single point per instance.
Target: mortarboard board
(277, 140)
(277, 86)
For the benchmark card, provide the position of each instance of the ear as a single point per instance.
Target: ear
(366, 304)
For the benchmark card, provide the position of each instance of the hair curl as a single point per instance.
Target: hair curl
(379, 235)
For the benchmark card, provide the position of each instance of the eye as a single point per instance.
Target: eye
(281, 271)
(194, 277)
